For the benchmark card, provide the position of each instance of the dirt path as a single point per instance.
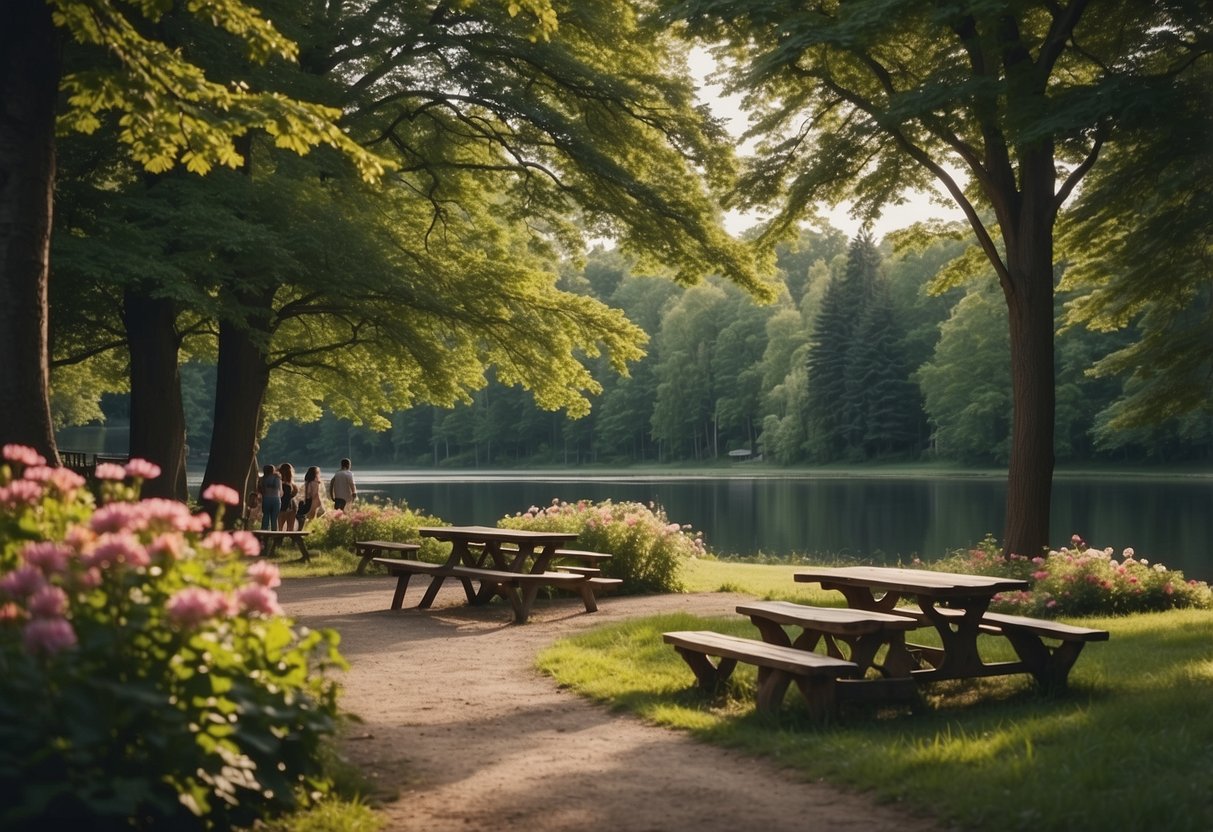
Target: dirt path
(462, 733)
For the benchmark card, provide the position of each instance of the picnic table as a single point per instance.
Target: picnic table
(511, 563)
(957, 607)
(270, 539)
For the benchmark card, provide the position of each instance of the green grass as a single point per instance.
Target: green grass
(1129, 747)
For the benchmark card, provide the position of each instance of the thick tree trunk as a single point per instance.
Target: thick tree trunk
(157, 416)
(29, 84)
(1029, 298)
(243, 375)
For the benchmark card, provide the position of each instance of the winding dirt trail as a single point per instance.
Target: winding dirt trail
(460, 732)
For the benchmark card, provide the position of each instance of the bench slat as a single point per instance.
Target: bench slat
(833, 620)
(751, 651)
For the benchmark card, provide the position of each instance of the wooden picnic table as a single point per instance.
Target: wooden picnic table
(511, 563)
(956, 606)
(271, 538)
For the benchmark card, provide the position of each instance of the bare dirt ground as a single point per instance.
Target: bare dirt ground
(460, 732)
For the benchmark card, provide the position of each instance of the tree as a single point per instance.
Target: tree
(170, 112)
(864, 99)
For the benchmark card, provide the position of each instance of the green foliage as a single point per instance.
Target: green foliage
(169, 110)
(1081, 580)
(366, 520)
(147, 677)
(647, 551)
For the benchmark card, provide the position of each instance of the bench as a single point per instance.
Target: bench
(270, 539)
(778, 666)
(1049, 664)
(519, 588)
(369, 549)
(864, 632)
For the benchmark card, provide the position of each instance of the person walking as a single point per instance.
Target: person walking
(312, 503)
(342, 490)
(271, 498)
(290, 498)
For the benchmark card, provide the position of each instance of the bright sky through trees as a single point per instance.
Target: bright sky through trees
(918, 206)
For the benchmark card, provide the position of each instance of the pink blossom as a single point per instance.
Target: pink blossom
(1038, 560)
(47, 636)
(220, 493)
(247, 543)
(23, 454)
(256, 598)
(22, 582)
(166, 546)
(38, 473)
(191, 606)
(142, 469)
(66, 480)
(79, 538)
(264, 573)
(121, 548)
(1168, 589)
(48, 602)
(672, 528)
(220, 542)
(89, 579)
(117, 517)
(20, 493)
(47, 556)
(11, 612)
(109, 471)
(631, 520)
(1052, 602)
(1129, 553)
(1041, 574)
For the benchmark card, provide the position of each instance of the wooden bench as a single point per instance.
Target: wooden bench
(1049, 665)
(270, 539)
(864, 632)
(778, 666)
(519, 588)
(369, 549)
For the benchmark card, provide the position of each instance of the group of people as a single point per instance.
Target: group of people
(285, 506)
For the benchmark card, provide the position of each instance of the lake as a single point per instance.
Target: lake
(1167, 520)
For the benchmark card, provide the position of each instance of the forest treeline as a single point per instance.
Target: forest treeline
(861, 358)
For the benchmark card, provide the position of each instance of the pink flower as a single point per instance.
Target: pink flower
(1051, 603)
(66, 480)
(23, 454)
(11, 612)
(220, 542)
(47, 636)
(1168, 589)
(192, 606)
(38, 473)
(117, 517)
(48, 602)
(22, 582)
(20, 493)
(259, 599)
(265, 574)
(48, 557)
(1129, 553)
(165, 546)
(142, 469)
(247, 543)
(115, 549)
(109, 471)
(219, 493)
(1040, 575)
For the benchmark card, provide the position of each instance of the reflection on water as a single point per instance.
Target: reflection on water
(1165, 520)
(883, 520)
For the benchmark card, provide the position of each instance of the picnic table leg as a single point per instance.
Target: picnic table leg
(366, 553)
(709, 675)
(402, 584)
(303, 553)
(772, 685)
(958, 634)
(1049, 667)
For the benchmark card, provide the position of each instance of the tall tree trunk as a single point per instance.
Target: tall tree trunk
(1029, 296)
(157, 416)
(243, 375)
(29, 85)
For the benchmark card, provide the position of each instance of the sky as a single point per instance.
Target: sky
(918, 206)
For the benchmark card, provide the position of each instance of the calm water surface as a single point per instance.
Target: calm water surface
(1165, 520)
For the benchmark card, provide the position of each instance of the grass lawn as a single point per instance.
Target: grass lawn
(1129, 747)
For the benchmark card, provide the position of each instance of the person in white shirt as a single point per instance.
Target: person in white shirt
(342, 490)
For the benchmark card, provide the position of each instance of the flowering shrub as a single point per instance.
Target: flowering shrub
(338, 529)
(147, 676)
(1081, 580)
(646, 548)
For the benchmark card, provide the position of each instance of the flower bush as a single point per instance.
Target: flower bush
(147, 676)
(646, 548)
(1081, 580)
(339, 529)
